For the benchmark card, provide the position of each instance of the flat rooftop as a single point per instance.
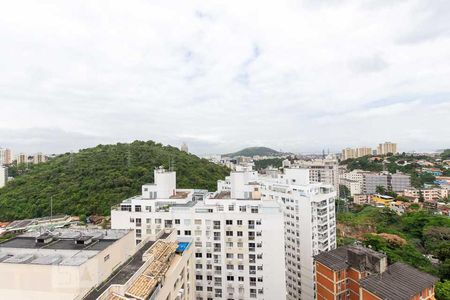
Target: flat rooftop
(70, 247)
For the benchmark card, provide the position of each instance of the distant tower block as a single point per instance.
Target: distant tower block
(184, 147)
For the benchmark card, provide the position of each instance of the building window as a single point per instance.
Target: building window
(187, 232)
(177, 221)
(106, 258)
(229, 222)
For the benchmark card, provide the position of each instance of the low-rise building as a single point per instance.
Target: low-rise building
(160, 270)
(360, 273)
(361, 199)
(63, 264)
(432, 194)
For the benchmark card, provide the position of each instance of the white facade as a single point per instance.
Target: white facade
(238, 240)
(3, 176)
(310, 225)
(322, 170)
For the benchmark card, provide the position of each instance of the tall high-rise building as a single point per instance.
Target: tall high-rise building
(39, 158)
(238, 237)
(363, 151)
(3, 176)
(310, 225)
(348, 153)
(5, 157)
(387, 147)
(22, 158)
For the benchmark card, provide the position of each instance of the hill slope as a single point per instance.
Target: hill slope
(94, 179)
(252, 151)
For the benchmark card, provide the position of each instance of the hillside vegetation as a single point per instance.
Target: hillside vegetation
(252, 151)
(405, 238)
(94, 179)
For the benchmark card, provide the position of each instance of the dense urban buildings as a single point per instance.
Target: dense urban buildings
(364, 182)
(382, 149)
(359, 273)
(239, 251)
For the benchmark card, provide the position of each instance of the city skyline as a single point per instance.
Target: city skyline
(297, 76)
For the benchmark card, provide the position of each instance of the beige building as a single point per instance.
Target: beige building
(39, 158)
(348, 153)
(387, 147)
(363, 151)
(428, 194)
(22, 158)
(5, 157)
(63, 264)
(95, 264)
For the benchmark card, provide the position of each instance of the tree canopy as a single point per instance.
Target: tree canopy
(94, 179)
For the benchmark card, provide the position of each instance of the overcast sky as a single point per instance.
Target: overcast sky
(222, 75)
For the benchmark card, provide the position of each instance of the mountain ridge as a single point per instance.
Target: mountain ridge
(252, 151)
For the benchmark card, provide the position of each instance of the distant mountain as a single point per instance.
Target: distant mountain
(94, 179)
(252, 151)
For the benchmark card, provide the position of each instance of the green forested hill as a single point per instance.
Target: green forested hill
(94, 179)
(252, 151)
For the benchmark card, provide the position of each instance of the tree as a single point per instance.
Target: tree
(443, 290)
(344, 191)
(380, 190)
(421, 198)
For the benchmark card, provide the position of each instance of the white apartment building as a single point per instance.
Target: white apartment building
(321, 170)
(353, 180)
(310, 225)
(237, 236)
(3, 176)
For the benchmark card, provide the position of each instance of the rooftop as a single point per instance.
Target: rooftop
(124, 272)
(338, 259)
(69, 247)
(399, 282)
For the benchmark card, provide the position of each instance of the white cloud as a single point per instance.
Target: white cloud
(295, 75)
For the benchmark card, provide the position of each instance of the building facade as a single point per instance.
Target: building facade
(310, 225)
(237, 236)
(428, 194)
(359, 273)
(3, 176)
(322, 170)
(386, 148)
(396, 182)
(5, 157)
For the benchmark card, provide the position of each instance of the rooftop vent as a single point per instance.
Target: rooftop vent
(83, 240)
(44, 238)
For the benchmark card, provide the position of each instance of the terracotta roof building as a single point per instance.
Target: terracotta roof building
(360, 273)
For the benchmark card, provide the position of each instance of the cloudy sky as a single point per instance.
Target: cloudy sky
(221, 75)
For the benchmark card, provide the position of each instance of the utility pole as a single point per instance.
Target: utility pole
(51, 209)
